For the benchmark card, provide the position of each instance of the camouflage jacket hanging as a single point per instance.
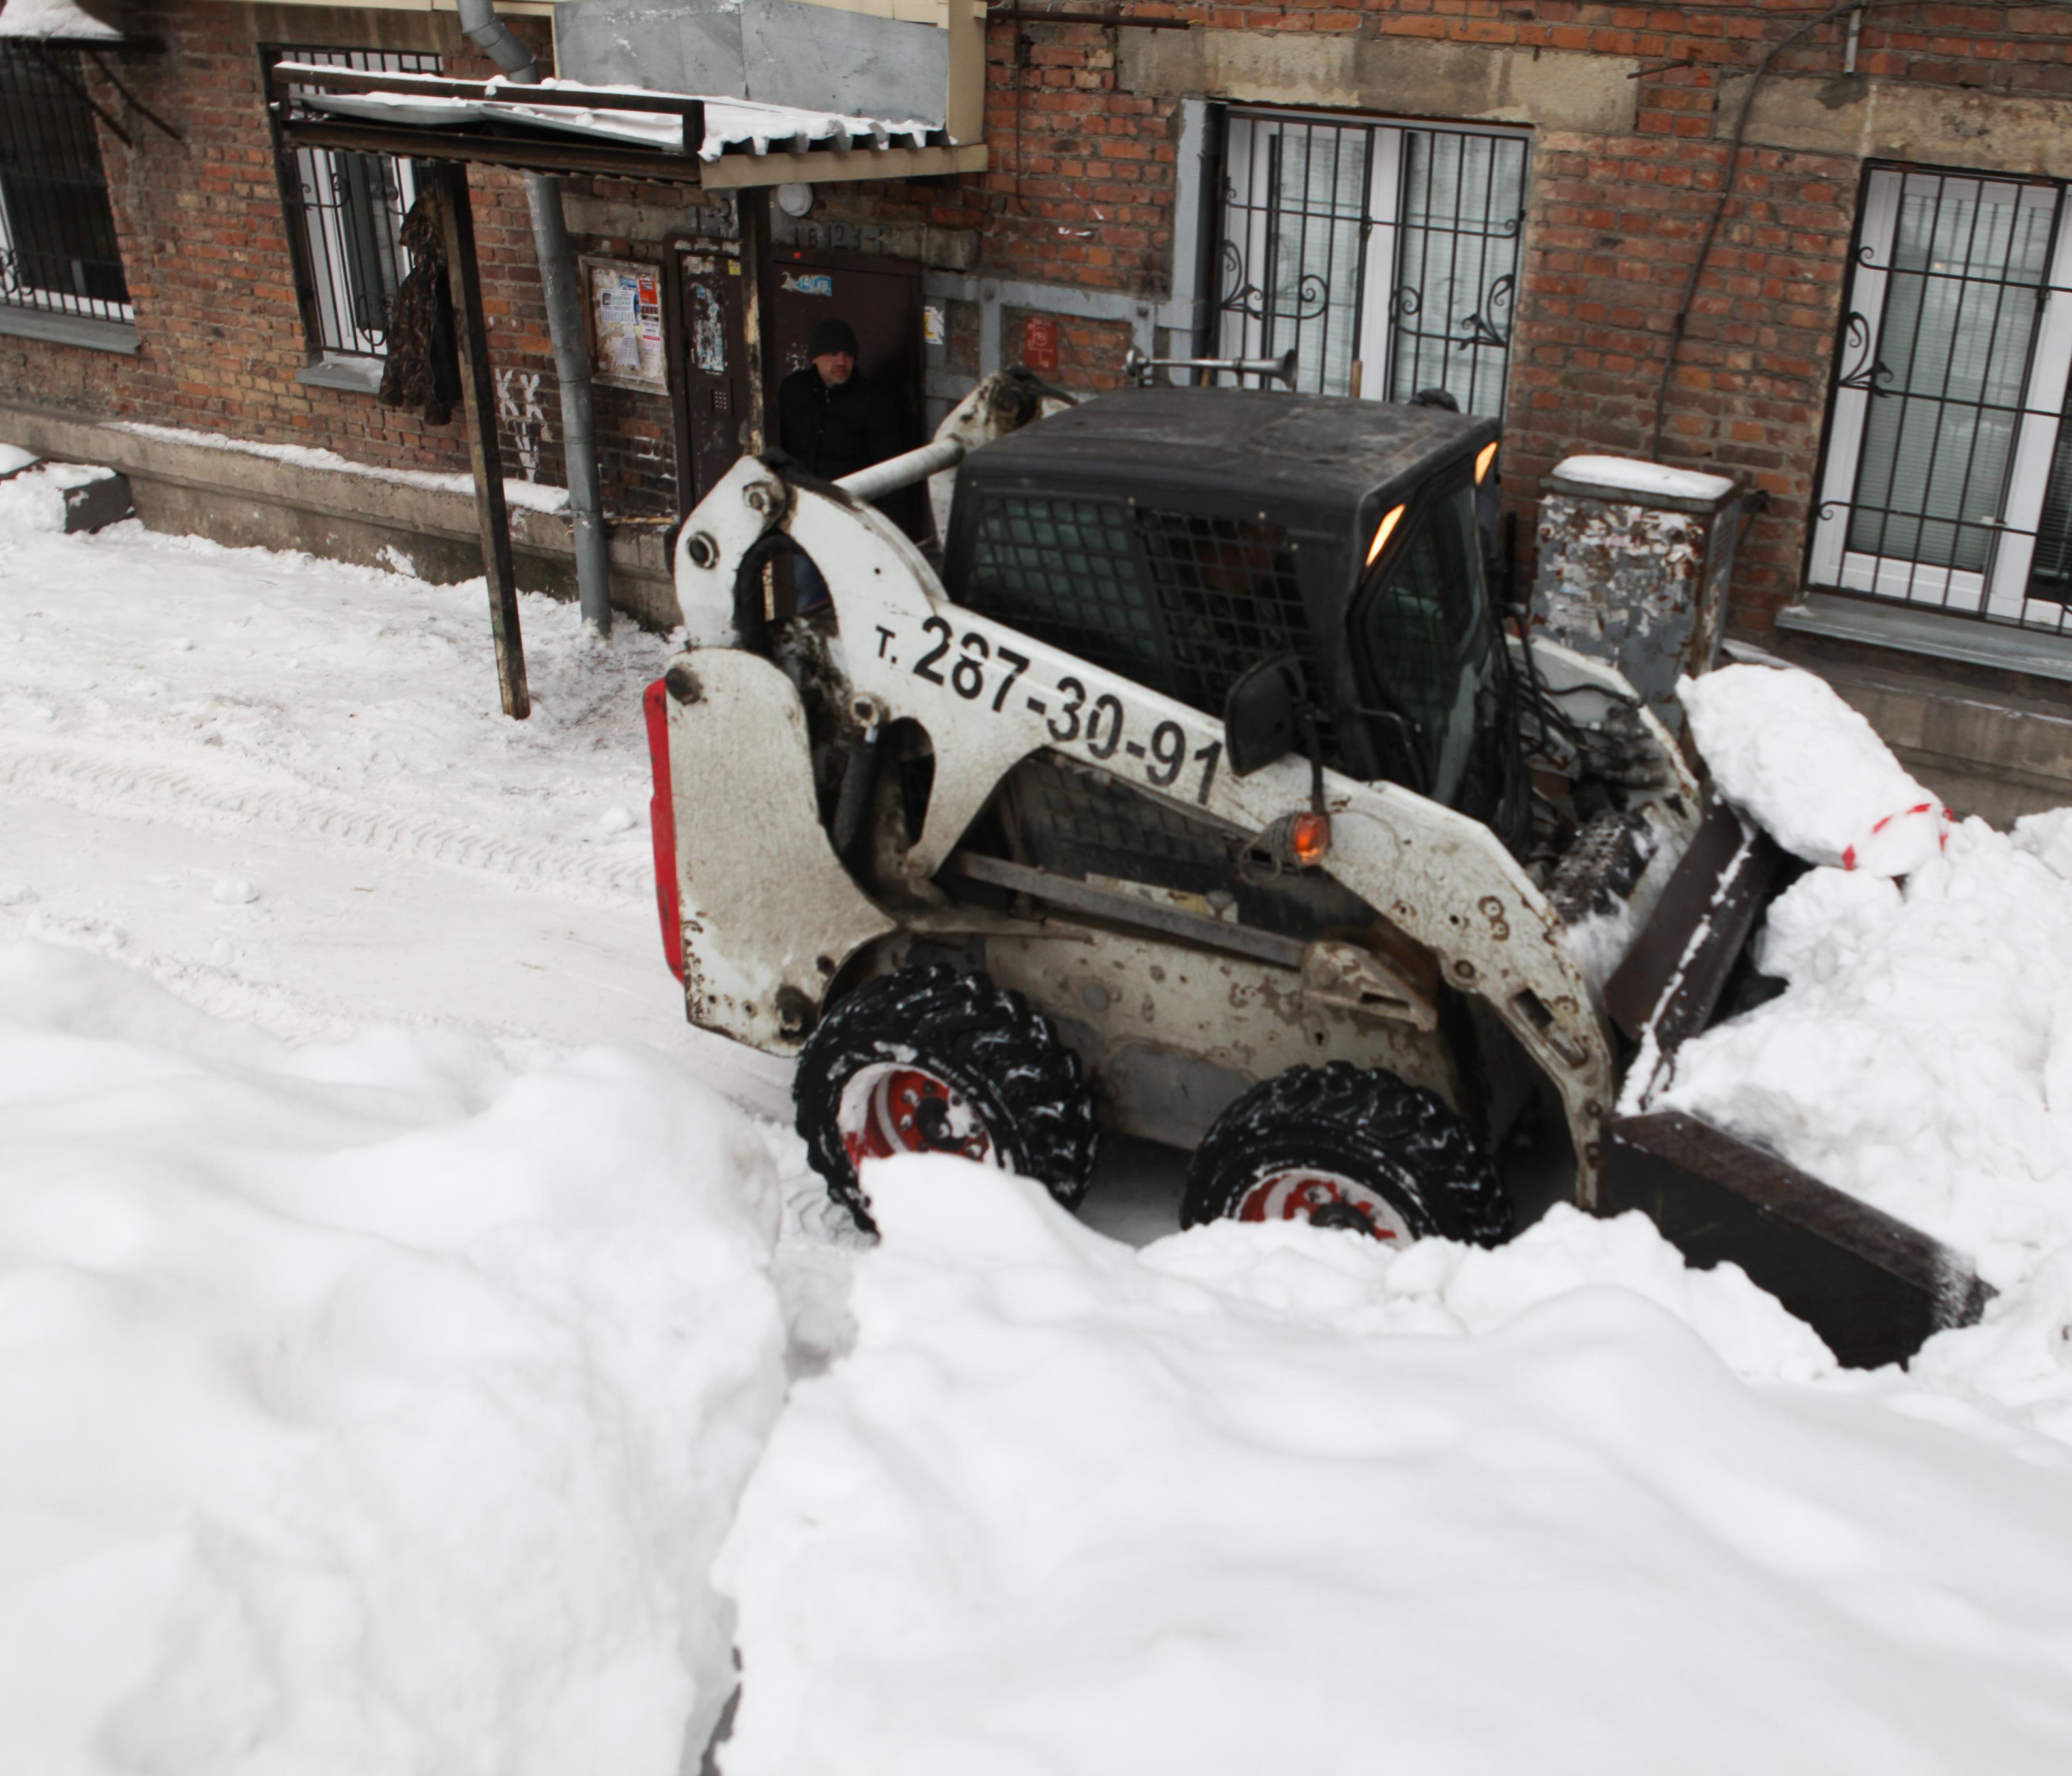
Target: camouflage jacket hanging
(423, 368)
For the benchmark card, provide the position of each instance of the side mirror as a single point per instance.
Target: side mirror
(1263, 715)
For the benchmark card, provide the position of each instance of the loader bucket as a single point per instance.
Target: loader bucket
(1873, 1288)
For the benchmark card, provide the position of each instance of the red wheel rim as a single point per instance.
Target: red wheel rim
(892, 1109)
(1299, 1193)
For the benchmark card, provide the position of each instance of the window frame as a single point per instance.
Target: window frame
(1240, 318)
(16, 294)
(1998, 592)
(322, 236)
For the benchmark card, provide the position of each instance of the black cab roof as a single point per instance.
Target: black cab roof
(1312, 459)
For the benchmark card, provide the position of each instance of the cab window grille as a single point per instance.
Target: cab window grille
(1062, 570)
(1179, 603)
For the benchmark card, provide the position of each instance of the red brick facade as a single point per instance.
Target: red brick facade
(1082, 196)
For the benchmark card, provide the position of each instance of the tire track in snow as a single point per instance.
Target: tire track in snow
(162, 793)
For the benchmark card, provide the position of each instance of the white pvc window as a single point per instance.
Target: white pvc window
(1946, 481)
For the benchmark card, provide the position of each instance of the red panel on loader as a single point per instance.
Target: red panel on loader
(662, 823)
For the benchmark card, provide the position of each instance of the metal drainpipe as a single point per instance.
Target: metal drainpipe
(563, 291)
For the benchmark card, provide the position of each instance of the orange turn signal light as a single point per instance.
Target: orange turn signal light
(1310, 838)
(1381, 533)
(1486, 456)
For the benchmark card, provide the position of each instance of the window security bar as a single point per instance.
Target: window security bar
(1386, 253)
(345, 214)
(1947, 477)
(57, 248)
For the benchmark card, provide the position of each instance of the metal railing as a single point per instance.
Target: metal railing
(1385, 254)
(345, 219)
(57, 248)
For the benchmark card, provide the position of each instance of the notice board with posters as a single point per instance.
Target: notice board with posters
(622, 305)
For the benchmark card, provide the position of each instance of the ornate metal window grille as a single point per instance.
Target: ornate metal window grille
(345, 220)
(1948, 478)
(1386, 255)
(58, 250)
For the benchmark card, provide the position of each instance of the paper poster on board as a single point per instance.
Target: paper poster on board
(626, 333)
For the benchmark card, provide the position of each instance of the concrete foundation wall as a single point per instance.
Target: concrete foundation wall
(244, 499)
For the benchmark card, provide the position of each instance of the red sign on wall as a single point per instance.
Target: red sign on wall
(1039, 344)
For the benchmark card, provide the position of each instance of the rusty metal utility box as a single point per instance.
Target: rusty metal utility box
(1634, 560)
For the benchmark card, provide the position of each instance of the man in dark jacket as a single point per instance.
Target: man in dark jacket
(833, 422)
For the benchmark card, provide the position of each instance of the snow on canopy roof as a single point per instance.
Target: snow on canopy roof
(54, 21)
(732, 126)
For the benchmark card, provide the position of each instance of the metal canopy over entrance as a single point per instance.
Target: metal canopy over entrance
(723, 143)
(715, 143)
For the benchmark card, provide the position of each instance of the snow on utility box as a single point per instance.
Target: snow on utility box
(1634, 560)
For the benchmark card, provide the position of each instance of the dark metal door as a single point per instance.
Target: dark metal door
(709, 351)
(880, 298)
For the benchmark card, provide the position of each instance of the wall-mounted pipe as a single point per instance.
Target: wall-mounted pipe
(562, 290)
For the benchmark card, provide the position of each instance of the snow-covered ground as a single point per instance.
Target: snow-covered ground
(391, 1315)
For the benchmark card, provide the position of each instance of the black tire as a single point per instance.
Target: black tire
(1399, 1140)
(985, 1043)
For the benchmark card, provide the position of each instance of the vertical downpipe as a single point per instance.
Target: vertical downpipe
(563, 293)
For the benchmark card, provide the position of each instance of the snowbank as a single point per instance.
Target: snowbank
(1921, 1059)
(32, 499)
(1784, 748)
(1279, 1499)
(370, 1407)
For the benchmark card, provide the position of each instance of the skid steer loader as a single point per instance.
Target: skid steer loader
(1202, 797)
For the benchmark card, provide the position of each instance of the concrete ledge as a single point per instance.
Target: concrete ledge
(355, 376)
(1906, 630)
(1398, 76)
(246, 500)
(84, 331)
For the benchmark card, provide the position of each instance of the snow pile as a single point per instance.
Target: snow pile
(45, 19)
(1921, 1059)
(32, 501)
(1784, 748)
(1261, 1499)
(369, 1408)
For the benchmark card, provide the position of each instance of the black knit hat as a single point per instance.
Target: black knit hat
(829, 336)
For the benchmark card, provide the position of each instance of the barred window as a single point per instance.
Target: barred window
(345, 215)
(1385, 254)
(1947, 477)
(58, 250)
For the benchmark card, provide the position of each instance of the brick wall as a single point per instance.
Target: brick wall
(206, 253)
(1081, 193)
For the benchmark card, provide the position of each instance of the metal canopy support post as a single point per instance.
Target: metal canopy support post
(753, 208)
(465, 275)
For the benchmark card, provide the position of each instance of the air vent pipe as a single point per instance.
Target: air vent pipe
(562, 290)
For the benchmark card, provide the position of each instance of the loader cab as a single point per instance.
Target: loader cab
(1180, 537)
